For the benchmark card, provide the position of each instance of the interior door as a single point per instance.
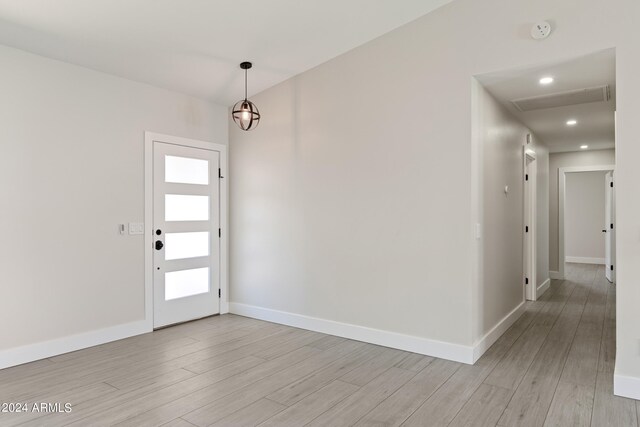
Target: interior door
(609, 228)
(186, 223)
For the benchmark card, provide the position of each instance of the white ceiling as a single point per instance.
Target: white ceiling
(195, 46)
(596, 126)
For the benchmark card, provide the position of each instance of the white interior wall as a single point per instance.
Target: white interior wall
(556, 161)
(346, 222)
(584, 217)
(71, 168)
(501, 139)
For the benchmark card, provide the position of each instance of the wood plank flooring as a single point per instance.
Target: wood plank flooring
(553, 367)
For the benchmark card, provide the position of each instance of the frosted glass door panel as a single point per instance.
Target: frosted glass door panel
(178, 207)
(186, 245)
(185, 283)
(186, 171)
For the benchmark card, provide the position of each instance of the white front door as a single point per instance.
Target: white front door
(186, 241)
(610, 228)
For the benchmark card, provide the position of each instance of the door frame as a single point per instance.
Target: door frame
(562, 187)
(609, 227)
(149, 139)
(530, 249)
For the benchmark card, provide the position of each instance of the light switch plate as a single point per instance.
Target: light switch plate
(136, 228)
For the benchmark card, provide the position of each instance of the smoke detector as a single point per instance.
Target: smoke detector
(541, 30)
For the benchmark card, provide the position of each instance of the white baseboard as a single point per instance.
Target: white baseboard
(585, 260)
(542, 288)
(441, 349)
(625, 386)
(492, 336)
(555, 275)
(42, 350)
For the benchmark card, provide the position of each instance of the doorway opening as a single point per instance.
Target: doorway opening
(568, 110)
(587, 217)
(527, 124)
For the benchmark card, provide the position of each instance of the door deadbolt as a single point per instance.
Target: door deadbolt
(159, 245)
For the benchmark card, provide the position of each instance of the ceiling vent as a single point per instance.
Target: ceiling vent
(562, 99)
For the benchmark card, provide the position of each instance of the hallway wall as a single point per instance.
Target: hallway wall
(501, 138)
(556, 161)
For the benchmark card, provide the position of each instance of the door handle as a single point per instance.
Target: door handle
(159, 245)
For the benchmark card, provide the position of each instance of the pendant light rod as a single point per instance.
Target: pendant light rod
(245, 66)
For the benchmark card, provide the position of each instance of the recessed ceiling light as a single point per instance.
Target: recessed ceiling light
(546, 80)
(572, 122)
(584, 147)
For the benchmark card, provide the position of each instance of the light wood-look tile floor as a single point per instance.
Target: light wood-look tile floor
(553, 367)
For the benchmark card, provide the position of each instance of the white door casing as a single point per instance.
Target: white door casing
(562, 185)
(193, 243)
(530, 219)
(610, 228)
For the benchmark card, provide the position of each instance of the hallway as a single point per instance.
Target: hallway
(568, 353)
(553, 367)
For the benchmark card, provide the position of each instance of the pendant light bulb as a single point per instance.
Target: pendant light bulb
(245, 113)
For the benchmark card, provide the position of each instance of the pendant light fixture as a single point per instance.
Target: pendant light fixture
(245, 113)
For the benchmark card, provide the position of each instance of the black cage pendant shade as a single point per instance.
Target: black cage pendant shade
(245, 113)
